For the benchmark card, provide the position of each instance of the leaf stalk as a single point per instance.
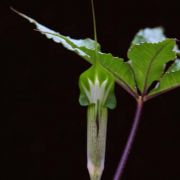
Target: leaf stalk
(128, 146)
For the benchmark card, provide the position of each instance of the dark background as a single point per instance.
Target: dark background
(44, 133)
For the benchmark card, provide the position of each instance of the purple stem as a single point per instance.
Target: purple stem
(124, 158)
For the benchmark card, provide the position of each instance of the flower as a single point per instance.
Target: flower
(97, 92)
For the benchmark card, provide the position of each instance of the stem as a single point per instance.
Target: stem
(124, 158)
(94, 20)
(96, 140)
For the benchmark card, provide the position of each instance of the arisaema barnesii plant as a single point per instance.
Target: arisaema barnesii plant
(152, 68)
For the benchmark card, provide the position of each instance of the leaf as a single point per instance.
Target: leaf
(121, 71)
(81, 47)
(148, 61)
(90, 51)
(169, 81)
(150, 35)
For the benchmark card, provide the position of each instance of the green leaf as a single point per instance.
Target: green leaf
(150, 35)
(120, 70)
(169, 81)
(81, 47)
(90, 51)
(148, 61)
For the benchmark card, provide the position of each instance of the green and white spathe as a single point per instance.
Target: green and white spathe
(97, 92)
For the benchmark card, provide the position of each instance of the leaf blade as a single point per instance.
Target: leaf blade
(148, 61)
(170, 80)
(150, 35)
(120, 70)
(81, 47)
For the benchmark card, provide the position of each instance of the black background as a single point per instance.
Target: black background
(44, 136)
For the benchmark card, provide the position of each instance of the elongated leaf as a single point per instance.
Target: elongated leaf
(170, 80)
(81, 47)
(148, 61)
